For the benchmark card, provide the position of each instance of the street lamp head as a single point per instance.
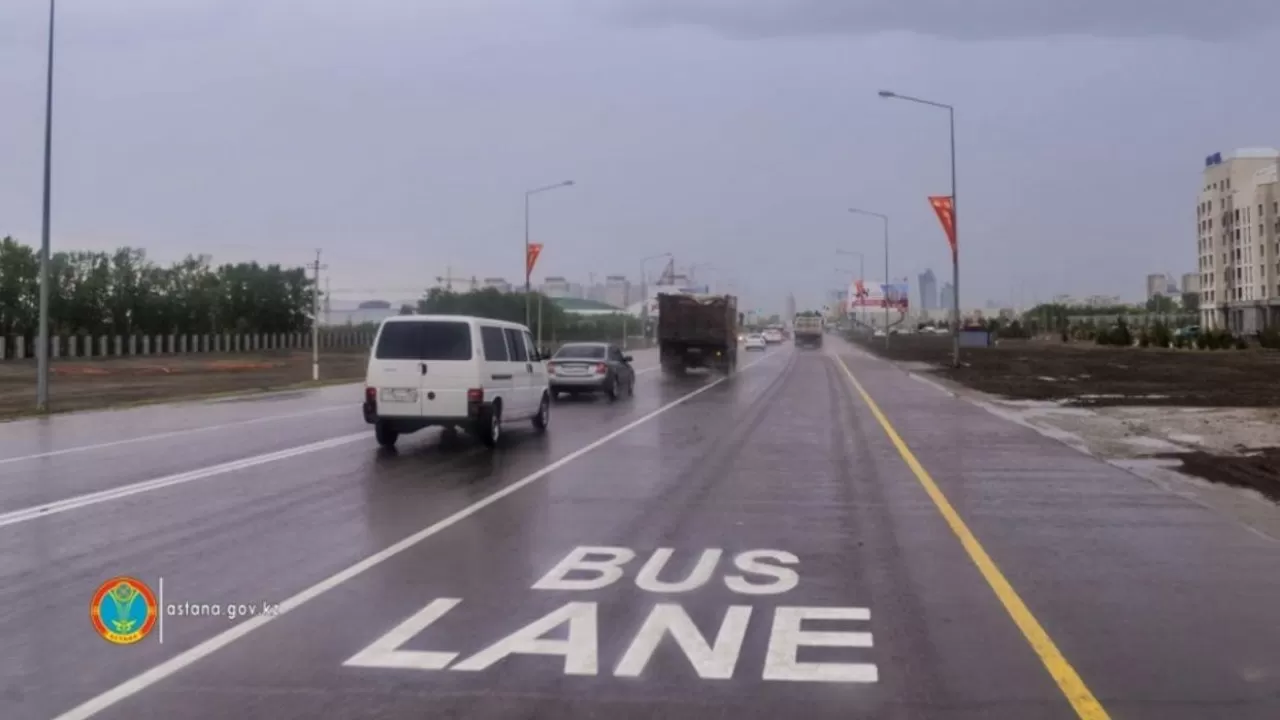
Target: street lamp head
(888, 94)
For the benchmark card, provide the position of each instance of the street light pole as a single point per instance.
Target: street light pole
(528, 272)
(955, 223)
(885, 292)
(644, 295)
(862, 275)
(42, 340)
(955, 251)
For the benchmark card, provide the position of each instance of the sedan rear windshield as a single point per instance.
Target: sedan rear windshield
(428, 340)
(583, 352)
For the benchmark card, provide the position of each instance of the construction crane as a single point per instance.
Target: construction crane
(448, 279)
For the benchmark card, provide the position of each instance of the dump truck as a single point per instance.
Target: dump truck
(697, 331)
(808, 331)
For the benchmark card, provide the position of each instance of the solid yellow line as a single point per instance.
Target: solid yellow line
(1072, 686)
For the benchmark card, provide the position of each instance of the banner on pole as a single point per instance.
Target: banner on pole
(531, 258)
(945, 207)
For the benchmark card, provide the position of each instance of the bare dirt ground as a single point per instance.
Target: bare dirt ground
(98, 383)
(1088, 375)
(1212, 415)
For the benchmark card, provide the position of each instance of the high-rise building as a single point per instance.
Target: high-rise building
(556, 286)
(1157, 284)
(1238, 240)
(1190, 283)
(946, 297)
(617, 291)
(928, 290)
(791, 308)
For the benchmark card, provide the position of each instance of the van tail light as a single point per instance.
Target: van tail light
(602, 368)
(370, 394)
(475, 395)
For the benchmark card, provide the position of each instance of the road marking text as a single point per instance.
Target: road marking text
(714, 657)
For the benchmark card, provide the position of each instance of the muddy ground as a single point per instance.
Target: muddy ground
(1255, 470)
(1090, 375)
(89, 384)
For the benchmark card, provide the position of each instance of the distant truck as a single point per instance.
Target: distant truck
(808, 331)
(698, 331)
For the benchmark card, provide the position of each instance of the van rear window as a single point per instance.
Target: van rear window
(429, 340)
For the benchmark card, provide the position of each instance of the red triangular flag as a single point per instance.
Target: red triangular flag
(943, 205)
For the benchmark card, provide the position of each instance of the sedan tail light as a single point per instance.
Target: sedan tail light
(602, 368)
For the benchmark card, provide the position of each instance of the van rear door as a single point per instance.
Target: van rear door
(423, 368)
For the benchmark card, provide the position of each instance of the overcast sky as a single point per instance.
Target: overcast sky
(400, 135)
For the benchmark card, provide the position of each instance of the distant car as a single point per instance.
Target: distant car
(772, 337)
(578, 368)
(755, 341)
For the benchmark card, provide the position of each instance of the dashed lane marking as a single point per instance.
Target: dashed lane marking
(150, 677)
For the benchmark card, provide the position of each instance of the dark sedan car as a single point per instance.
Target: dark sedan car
(590, 368)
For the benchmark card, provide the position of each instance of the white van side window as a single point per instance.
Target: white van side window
(516, 344)
(495, 344)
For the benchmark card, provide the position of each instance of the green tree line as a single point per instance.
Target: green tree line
(123, 293)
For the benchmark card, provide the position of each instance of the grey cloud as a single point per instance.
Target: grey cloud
(956, 19)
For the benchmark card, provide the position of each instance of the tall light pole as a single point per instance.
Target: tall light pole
(955, 221)
(644, 294)
(862, 275)
(884, 218)
(42, 339)
(528, 290)
(695, 266)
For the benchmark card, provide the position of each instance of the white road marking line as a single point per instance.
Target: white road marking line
(176, 433)
(140, 682)
(61, 506)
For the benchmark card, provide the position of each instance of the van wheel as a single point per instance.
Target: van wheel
(489, 427)
(543, 418)
(384, 434)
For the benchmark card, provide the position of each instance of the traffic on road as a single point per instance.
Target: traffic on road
(814, 533)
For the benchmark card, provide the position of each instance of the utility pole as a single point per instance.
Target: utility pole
(42, 340)
(316, 267)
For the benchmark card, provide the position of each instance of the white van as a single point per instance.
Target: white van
(455, 371)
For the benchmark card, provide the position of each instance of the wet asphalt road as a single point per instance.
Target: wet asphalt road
(718, 541)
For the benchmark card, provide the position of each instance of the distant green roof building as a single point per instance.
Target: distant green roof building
(579, 306)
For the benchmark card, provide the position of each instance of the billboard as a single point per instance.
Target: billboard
(878, 295)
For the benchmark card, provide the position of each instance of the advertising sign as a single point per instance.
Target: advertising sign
(877, 295)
